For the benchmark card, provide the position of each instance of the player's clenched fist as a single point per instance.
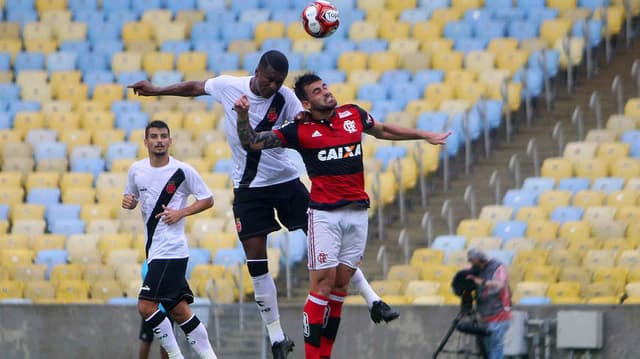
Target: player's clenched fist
(129, 201)
(242, 105)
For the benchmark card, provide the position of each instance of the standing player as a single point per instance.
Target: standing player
(329, 139)
(264, 181)
(146, 332)
(161, 184)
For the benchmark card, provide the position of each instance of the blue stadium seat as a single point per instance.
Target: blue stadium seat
(207, 5)
(449, 243)
(414, 16)
(22, 16)
(92, 165)
(517, 198)
(49, 150)
(339, 45)
(574, 184)
(551, 57)
(20, 4)
(345, 4)
(534, 301)
(51, 258)
(103, 31)
(209, 46)
(475, 16)
(9, 92)
(6, 121)
(119, 150)
(593, 4)
(120, 107)
(43, 196)
(372, 45)
(224, 165)
(237, 31)
(80, 5)
(423, 78)
(58, 212)
(278, 5)
(320, 62)
(244, 5)
(80, 47)
(95, 77)
(296, 61)
(492, 109)
(5, 61)
(566, 214)
(285, 16)
(391, 77)
(468, 44)
(531, 4)
(280, 44)
(534, 79)
(458, 29)
(474, 123)
(140, 6)
(489, 30)
(522, 30)
(297, 241)
(250, 60)
(90, 16)
(538, 184)
(197, 256)
(332, 76)
(179, 5)
(498, 4)
(130, 77)
(165, 78)
(595, 30)
(176, 47)
(221, 17)
(29, 61)
(4, 212)
(121, 17)
(23, 106)
(67, 226)
(254, 16)
(388, 153)
(116, 5)
(130, 121)
(608, 184)
(509, 14)
(403, 92)
(509, 229)
(539, 15)
(502, 255)
(434, 4)
(380, 109)
(372, 92)
(223, 62)
(92, 61)
(229, 257)
(433, 121)
(108, 47)
(61, 61)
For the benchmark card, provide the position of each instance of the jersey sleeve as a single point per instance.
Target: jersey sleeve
(131, 187)
(196, 184)
(366, 118)
(288, 134)
(292, 105)
(215, 85)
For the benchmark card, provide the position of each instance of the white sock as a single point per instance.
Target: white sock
(360, 283)
(266, 297)
(163, 331)
(198, 338)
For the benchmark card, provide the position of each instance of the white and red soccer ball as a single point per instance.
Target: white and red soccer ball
(320, 18)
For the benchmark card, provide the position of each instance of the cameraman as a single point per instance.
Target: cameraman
(493, 299)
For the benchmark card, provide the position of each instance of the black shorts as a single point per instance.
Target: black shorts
(146, 332)
(253, 208)
(166, 284)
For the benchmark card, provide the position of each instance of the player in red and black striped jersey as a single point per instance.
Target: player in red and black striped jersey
(328, 137)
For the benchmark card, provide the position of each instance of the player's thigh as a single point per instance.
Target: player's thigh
(324, 239)
(165, 283)
(354, 239)
(254, 214)
(343, 276)
(292, 205)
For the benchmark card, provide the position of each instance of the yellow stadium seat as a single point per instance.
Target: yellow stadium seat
(613, 150)
(421, 288)
(576, 49)
(136, 31)
(24, 165)
(562, 290)
(531, 257)
(60, 121)
(28, 272)
(103, 226)
(12, 46)
(447, 60)
(191, 61)
(44, 6)
(20, 150)
(554, 29)
(589, 198)
(529, 214)
(11, 289)
(118, 257)
(599, 258)
(437, 46)
(474, 227)
(541, 273)
(11, 195)
(542, 229)
(72, 31)
(62, 79)
(551, 199)
(39, 291)
(111, 179)
(25, 121)
(40, 92)
(44, 46)
(352, 60)
(157, 61)
(438, 273)
(511, 61)
(10, 179)
(126, 61)
(623, 198)
(395, 30)
(383, 61)
(620, 123)
(108, 93)
(72, 92)
(594, 213)
(600, 136)
(626, 168)
(436, 93)
(86, 107)
(519, 244)
(30, 227)
(98, 120)
(387, 287)
(575, 274)
(363, 30)
(76, 180)
(485, 243)
(96, 271)
(444, 15)
(269, 30)
(426, 30)
(632, 107)
(615, 18)
(479, 61)
(69, 291)
(530, 289)
(628, 214)
(26, 211)
(42, 180)
(607, 228)
(62, 272)
(36, 31)
(79, 196)
(170, 31)
(575, 229)
(106, 289)
(600, 289)
(533, 44)
(127, 273)
(9, 30)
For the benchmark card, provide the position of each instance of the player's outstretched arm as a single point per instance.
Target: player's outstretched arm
(249, 138)
(393, 132)
(185, 89)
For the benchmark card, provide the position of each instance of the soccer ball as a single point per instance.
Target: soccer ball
(320, 18)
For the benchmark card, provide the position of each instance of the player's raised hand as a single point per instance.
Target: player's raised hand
(242, 105)
(169, 215)
(129, 201)
(143, 88)
(438, 138)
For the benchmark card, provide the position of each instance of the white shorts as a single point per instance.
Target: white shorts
(337, 236)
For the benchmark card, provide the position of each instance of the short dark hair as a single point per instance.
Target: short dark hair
(156, 124)
(302, 81)
(276, 59)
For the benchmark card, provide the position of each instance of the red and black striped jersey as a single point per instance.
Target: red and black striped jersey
(332, 152)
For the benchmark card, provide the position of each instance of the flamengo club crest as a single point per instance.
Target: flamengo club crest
(272, 115)
(238, 225)
(171, 187)
(350, 126)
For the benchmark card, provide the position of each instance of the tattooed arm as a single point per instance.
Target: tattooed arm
(249, 138)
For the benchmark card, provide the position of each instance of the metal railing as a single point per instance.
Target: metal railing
(514, 167)
(470, 200)
(486, 128)
(548, 94)
(532, 150)
(287, 263)
(447, 215)
(557, 134)
(566, 49)
(596, 106)
(528, 110)
(402, 206)
(618, 91)
(635, 75)
(427, 226)
(383, 260)
(628, 22)
(422, 177)
(467, 143)
(589, 51)
(404, 241)
(495, 183)
(608, 50)
(577, 119)
(504, 91)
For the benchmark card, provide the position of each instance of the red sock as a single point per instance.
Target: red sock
(312, 320)
(330, 330)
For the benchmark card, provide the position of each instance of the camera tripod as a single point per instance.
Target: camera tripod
(466, 311)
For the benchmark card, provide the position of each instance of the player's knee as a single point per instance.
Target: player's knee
(258, 267)
(255, 247)
(147, 308)
(181, 312)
